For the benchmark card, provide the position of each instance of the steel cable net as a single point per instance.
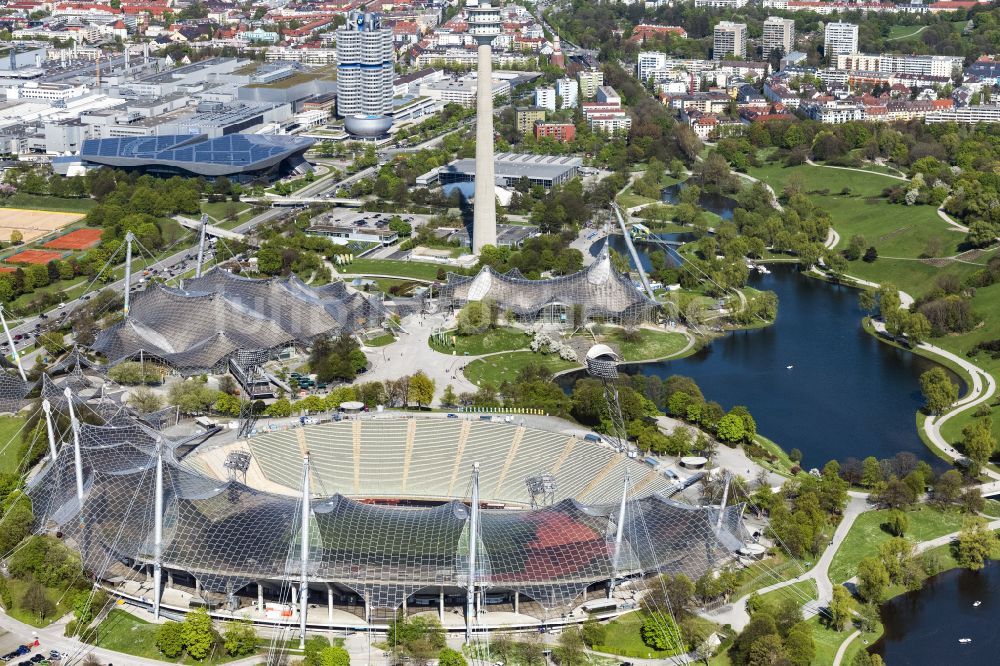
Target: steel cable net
(599, 289)
(228, 534)
(196, 329)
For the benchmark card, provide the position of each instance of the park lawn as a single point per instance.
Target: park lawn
(495, 340)
(895, 230)
(776, 568)
(410, 269)
(381, 340)
(904, 32)
(45, 202)
(218, 210)
(866, 534)
(628, 200)
(63, 603)
(505, 367)
(123, 632)
(828, 641)
(651, 345)
(623, 638)
(801, 592)
(11, 447)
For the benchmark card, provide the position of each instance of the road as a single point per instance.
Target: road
(177, 260)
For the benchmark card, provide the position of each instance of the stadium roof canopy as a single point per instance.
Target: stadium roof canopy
(599, 288)
(196, 329)
(228, 534)
(228, 155)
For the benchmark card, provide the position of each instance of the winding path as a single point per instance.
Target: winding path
(774, 197)
(947, 218)
(868, 171)
(736, 614)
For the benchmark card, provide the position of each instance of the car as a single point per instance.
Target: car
(43, 316)
(62, 305)
(19, 336)
(37, 658)
(672, 474)
(453, 416)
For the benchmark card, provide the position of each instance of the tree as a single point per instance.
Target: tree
(594, 632)
(335, 655)
(730, 429)
(866, 300)
(421, 389)
(841, 607)
(571, 647)
(143, 400)
(938, 390)
(917, 328)
(947, 487)
(873, 579)
(449, 657)
(197, 633)
(16, 237)
(978, 441)
(170, 639)
(897, 522)
(658, 632)
(474, 318)
(871, 472)
(37, 601)
(975, 543)
(799, 645)
(240, 638)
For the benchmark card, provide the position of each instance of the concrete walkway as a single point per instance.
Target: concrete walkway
(832, 239)
(983, 386)
(947, 218)
(843, 648)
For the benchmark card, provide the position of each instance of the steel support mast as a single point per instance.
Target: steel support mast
(158, 532)
(47, 408)
(77, 459)
(201, 245)
(129, 237)
(616, 562)
(470, 595)
(13, 347)
(304, 554)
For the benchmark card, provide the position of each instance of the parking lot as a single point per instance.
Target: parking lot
(9, 644)
(356, 218)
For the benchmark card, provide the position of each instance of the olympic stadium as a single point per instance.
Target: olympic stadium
(383, 517)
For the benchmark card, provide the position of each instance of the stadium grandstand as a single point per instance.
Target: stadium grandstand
(200, 327)
(602, 292)
(389, 514)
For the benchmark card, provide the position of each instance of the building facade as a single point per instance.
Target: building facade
(563, 132)
(364, 67)
(590, 80)
(729, 39)
(779, 34)
(840, 38)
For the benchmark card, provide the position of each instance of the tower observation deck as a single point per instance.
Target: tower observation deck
(484, 26)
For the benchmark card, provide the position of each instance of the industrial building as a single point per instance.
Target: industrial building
(510, 168)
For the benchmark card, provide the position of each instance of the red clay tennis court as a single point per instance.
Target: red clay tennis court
(34, 257)
(79, 239)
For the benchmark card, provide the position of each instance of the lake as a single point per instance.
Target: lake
(846, 394)
(923, 627)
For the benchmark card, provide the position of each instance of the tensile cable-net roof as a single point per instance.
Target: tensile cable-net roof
(197, 328)
(228, 535)
(598, 288)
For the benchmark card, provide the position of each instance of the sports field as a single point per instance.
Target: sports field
(34, 257)
(33, 223)
(78, 239)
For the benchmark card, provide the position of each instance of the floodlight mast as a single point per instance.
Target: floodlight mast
(722, 507)
(13, 347)
(304, 554)
(201, 245)
(470, 595)
(47, 408)
(158, 532)
(129, 237)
